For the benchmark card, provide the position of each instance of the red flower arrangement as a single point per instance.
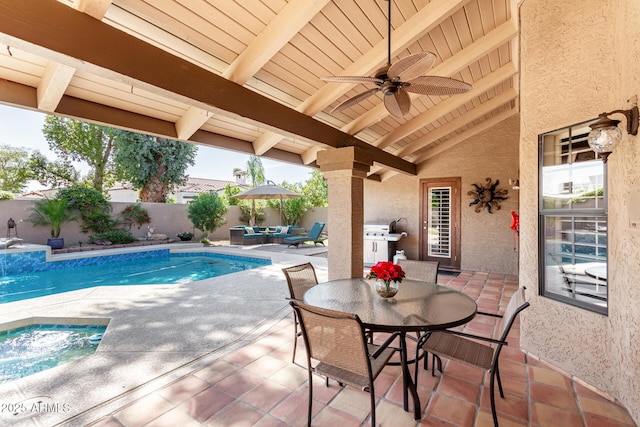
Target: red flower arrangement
(386, 271)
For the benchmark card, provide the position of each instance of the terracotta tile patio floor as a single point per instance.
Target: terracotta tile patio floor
(258, 385)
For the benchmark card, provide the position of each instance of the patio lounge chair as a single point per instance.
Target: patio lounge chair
(465, 348)
(312, 236)
(337, 342)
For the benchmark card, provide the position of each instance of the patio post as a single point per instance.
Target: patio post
(345, 170)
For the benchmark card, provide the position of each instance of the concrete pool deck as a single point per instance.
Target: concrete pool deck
(155, 333)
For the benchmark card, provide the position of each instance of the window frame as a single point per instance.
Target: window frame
(598, 213)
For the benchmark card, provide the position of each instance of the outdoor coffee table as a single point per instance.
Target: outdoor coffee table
(417, 307)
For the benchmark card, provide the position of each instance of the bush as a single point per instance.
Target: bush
(114, 236)
(207, 212)
(93, 206)
(135, 214)
(5, 195)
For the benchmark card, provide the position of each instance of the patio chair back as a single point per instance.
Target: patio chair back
(336, 340)
(299, 279)
(315, 231)
(424, 271)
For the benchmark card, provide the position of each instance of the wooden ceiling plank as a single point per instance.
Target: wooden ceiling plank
(191, 121)
(310, 155)
(480, 127)
(53, 85)
(275, 35)
(445, 130)
(55, 30)
(94, 8)
(415, 27)
(447, 106)
(452, 65)
(126, 21)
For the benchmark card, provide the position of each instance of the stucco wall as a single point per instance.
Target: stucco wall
(487, 240)
(578, 59)
(169, 219)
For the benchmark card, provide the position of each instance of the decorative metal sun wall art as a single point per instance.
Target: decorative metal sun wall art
(487, 196)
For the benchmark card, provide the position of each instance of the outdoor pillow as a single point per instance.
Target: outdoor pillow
(249, 230)
(284, 230)
(278, 229)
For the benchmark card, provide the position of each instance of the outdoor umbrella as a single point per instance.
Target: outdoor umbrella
(268, 191)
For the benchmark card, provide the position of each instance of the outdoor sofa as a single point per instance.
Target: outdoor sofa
(255, 235)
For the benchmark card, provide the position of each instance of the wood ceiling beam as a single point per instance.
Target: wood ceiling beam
(415, 27)
(457, 62)
(77, 38)
(465, 119)
(191, 121)
(22, 96)
(266, 142)
(53, 85)
(447, 106)
(94, 8)
(291, 19)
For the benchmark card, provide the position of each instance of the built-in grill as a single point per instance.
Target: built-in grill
(380, 241)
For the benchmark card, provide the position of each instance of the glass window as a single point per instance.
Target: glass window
(573, 220)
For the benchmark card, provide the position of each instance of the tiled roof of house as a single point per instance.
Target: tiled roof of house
(200, 185)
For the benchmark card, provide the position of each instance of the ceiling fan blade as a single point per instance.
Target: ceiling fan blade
(435, 85)
(397, 103)
(352, 79)
(356, 99)
(412, 66)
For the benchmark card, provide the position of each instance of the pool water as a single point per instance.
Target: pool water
(170, 269)
(35, 348)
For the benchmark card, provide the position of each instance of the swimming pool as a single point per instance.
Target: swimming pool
(35, 348)
(153, 267)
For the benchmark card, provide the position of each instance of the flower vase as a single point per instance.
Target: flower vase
(386, 288)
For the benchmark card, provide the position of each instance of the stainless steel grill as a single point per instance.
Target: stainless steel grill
(380, 241)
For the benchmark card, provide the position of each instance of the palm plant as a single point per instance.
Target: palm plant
(53, 213)
(255, 170)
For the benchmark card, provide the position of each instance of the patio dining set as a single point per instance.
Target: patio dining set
(351, 333)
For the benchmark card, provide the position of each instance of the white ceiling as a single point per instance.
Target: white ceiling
(246, 74)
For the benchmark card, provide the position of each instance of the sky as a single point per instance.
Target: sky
(23, 128)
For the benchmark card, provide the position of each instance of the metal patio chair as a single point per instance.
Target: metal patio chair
(336, 340)
(578, 284)
(299, 279)
(465, 348)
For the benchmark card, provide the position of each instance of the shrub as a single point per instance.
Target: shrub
(207, 212)
(5, 195)
(135, 214)
(114, 236)
(93, 206)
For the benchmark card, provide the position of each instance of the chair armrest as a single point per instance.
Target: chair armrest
(489, 314)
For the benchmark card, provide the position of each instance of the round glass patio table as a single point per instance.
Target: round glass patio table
(417, 307)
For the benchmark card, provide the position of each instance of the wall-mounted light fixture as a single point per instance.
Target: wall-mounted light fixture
(605, 133)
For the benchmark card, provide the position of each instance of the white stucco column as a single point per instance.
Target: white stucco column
(345, 170)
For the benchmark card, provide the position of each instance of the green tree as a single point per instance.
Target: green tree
(292, 209)
(316, 190)
(14, 168)
(54, 174)
(153, 165)
(207, 212)
(83, 142)
(229, 192)
(255, 171)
